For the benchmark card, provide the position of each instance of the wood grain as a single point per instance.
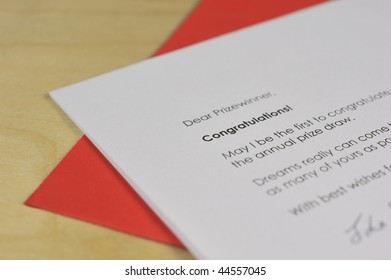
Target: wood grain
(45, 45)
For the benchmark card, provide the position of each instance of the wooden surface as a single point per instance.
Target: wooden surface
(45, 45)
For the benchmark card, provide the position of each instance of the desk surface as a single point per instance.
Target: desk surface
(45, 45)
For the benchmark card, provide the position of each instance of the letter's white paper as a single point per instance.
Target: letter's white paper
(318, 62)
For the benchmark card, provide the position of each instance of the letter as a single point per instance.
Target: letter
(259, 182)
(188, 123)
(338, 162)
(245, 148)
(230, 154)
(216, 112)
(207, 138)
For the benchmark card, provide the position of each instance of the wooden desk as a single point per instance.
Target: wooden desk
(45, 45)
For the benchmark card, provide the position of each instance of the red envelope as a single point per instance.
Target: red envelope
(85, 186)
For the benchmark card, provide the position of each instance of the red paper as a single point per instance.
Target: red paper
(85, 186)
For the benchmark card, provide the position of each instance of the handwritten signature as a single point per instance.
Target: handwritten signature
(364, 226)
